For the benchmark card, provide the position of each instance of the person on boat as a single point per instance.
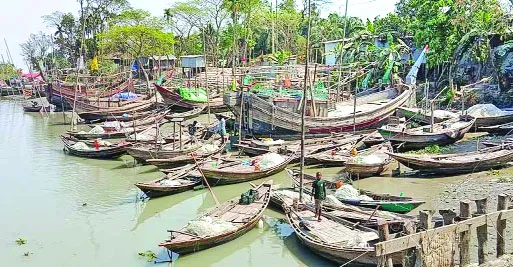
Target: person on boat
(192, 130)
(222, 126)
(319, 194)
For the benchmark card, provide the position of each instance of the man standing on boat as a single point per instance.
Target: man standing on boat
(319, 193)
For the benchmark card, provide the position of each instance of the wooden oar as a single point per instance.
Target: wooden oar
(205, 179)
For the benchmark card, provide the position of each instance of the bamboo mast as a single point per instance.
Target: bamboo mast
(80, 59)
(206, 75)
(343, 44)
(303, 111)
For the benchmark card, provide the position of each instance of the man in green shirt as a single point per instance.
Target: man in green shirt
(319, 193)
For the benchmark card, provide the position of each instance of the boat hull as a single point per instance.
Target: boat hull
(265, 118)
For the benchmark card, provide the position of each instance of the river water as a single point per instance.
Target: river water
(82, 212)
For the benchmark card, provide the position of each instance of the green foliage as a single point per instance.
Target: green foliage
(149, 255)
(446, 24)
(21, 241)
(505, 180)
(432, 149)
(7, 71)
(135, 33)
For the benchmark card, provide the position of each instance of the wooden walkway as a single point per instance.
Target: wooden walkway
(440, 246)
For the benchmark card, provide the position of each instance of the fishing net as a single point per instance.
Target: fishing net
(287, 194)
(485, 110)
(208, 148)
(331, 199)
(169, 182)
(208, 226)
(97, 130)
(112, 124)
(80, 146)
(361, 239)
(370, 160)
(270, 160)
(347, 191)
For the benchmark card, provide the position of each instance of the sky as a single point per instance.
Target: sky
(20, 18)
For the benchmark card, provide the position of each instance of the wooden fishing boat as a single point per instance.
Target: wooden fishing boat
(143, 152)
(399, 204)
(284, 197)
(32, 108)
(501, 129)
(102, 152)
(379, 159)
(104, 113)
(267, 117)
(312, 146)
(186, 114)
(149, 119)
(491, 120)
(483, 159)
(443, 133)
(335, 239)
(242, 217)
(422, 116)
(373, 138)
(121, 133)
(162, 163)
(95, 96)
(331, 158)
(172, 98)
(176, 182)
(237, 172)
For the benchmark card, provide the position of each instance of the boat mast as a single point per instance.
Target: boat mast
(340, 55)
(303, 110)
(80, 60)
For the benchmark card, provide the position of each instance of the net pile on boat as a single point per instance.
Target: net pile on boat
(97, 130)
(80, 146)
(444, 114)
(485, 110)
(347, 191)
(331, 199)
(270, 160)
(272, 142)
(112, 124)
(208, 148)
(361, 239)
(141, 137)
(104, 143)
(368, 159)
(169, 182)
(208, 226)
(287, 194)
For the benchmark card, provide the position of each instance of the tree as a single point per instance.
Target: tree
(136, 33)
(7, 71)
(36, 51)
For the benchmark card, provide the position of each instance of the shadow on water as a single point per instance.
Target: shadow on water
(282, 229)
(153, 207)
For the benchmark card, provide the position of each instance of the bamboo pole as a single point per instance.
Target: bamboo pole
(464, 236)
(304, 106)
(206, 75)
(502, 204)
(205, 180)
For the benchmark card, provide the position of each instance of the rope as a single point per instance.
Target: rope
(354, 259)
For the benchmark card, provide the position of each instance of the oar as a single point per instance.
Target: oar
(205, 179)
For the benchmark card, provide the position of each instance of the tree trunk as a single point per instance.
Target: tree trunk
(145, 73)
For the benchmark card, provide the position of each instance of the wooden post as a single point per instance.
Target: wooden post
(482, 232)
(464, 236)
(174, 135)
(502, 204)
(448, 216)
(384, 235)
(425, 221)
(432, 116)
(410, 257)
(180, 129)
